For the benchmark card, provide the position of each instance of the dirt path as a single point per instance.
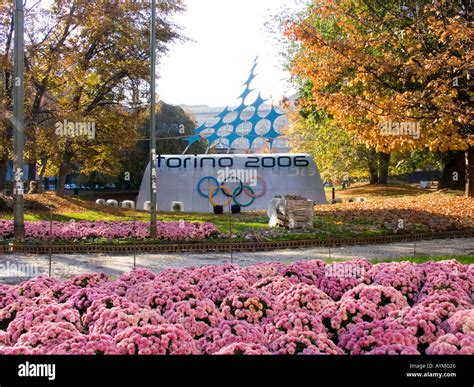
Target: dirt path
(64, 266)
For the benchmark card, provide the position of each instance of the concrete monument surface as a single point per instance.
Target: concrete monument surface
(251, 180)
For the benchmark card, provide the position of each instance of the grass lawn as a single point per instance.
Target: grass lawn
(377, 191)
(464, 259)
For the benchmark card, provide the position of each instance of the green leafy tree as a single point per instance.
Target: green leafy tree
(173, 125)
(88, 62)
(374, 61)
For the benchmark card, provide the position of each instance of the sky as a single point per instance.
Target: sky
(226, 36)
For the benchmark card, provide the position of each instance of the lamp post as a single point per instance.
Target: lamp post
(18, 125)
(153, 173)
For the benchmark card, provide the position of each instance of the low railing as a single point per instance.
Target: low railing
(225, 246)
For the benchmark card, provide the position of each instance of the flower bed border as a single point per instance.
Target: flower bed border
(242, 246)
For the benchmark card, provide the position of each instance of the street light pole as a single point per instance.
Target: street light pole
(18, 125)
(153, 173)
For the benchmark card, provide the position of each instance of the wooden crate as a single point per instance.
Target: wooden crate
(296, 213)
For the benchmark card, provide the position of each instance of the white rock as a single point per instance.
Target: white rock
(128, 204)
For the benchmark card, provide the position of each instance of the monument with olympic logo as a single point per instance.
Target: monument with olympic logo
(199, 183)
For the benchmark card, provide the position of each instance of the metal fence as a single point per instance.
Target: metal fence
(18, 263)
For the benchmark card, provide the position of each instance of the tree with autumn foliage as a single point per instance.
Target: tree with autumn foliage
(332, 148)
(87, 62)
(370, 62)
(6, 89)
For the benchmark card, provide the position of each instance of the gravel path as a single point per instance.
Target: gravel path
(64, 266)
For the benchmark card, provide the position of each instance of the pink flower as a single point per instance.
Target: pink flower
(40, 286)
(101, 304)
(137, 276)
(87, 345)
(9, 313)
(163, 339)
(83, 298)
(114, 320)
(251, 306)
(197, 316)
(460, 322)
(37, 315)
(111, 230)
(394, 349)
(385, 298)
(308, 272)
(336, 287)
(338, 317)
(205, 273)
(261, 271)
(90, 280)
(450, 277)
(162, 297)
(8, 294)
(394, 308)
(445, 303)
(304, 343)
(172, 276)
(218, 288)
(41, 339)
(425, 323)
(302, 297)
(365, 337)
(140, 292)
(402, 276)
(274, 284)
(286, 322)
(244, 349)
(231, 332)
(452, 344)
(15, 351)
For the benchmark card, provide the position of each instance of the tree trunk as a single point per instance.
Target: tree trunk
(63, 172)
(61, 181)
(372, 165)
(41, 176)
(40, 184)
(4, 146)
(454, 172)
(3, 172)
(384, 162)
(31, 172)
(470, 172)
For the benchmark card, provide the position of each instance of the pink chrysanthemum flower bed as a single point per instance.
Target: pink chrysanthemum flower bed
(110, 230)
(366, 337)
(307, 308)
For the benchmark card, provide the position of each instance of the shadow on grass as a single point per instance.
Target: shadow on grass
(397, 220)
(383, 190)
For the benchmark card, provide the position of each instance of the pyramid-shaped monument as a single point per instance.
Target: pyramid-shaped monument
(241, 122)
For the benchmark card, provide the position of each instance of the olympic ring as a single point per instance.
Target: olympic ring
(234, 197)
(241, 186)
(223, 188)
(216, 190)
(259, 195)
(231, 195)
